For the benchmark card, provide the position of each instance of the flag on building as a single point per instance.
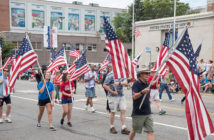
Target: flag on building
(58, 60)
(162, 56)
(137, 31)
(81, 67)
(198, 52)
(26, 58)
(105, 63)
(137, 58)
(183, 66)
(120, 60)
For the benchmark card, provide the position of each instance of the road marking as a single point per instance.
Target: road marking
(107, 114)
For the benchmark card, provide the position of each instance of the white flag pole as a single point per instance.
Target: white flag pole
(133, 43)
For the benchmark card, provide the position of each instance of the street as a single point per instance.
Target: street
(91, 126)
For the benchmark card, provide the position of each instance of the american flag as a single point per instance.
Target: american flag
(198, 52)
(137, 58)
(74, 53)
(26, 58)
(162, 55)
(183, 66)
(120, 60)
(9, 60)
(105, 63)
(81, 67)
(137, 31)
(58, 60)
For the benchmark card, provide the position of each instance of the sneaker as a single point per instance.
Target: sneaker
(69, 124)
(93, 110)
(86, 108)
(125, 131)
(52, 128)
(113, 130)
(8, 120)
(172, 100)
(1, 121)
(61, 121)
(162, 112)
(38, 125)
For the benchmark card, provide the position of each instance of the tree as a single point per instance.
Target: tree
(6, 49)
(146, 10)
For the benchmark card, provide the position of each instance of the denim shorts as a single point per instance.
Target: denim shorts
(90, 92)
(66, 101)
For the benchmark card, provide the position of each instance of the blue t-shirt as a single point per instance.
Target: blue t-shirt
(44, 95)
(2, 86)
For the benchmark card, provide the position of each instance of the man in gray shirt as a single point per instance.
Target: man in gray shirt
(117, 101)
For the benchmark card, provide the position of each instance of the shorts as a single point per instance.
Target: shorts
(7, 100)
(142, 121)
(66, 101)
(117, 103)
(90, 92)
(44, 102)
(154, 95)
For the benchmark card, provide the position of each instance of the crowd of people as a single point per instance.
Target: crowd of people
(57, 88)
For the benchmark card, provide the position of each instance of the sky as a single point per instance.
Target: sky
(124, 3)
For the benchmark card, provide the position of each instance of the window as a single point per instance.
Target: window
(37, 45)
(56, 20)
(38, 19)
(73, 22)
(79, 46)
(18, 17)
(129, 51)
(67, 46)
(89, 23)
(92, 48)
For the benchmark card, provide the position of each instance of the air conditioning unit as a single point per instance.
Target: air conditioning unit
(77, 3)
(94, 4)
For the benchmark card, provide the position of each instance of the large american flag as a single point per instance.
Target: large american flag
(198, 52)
(137, 58)
(74, 53)
(26, 58)
(81, 67)
(58, 60)
(183, 66)
(120, 60)
(162, 55)
(105, 63)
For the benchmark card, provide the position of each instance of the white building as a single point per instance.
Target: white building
(153, 32)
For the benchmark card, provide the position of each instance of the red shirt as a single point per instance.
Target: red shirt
(56, 80)
(149, 81)
(65, 87)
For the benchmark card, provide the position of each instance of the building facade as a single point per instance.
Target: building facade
(78, 25)
(201, 30)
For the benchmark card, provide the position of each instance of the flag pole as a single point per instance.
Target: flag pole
(133, 43)
(164, 61)
(174, 21)
(39, 67)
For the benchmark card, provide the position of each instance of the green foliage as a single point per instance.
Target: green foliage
(146, 10)
(6, 49)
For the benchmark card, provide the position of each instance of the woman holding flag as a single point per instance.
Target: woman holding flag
(46, 98)
(67, 89)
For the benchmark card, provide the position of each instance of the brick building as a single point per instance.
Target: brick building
(80, 25)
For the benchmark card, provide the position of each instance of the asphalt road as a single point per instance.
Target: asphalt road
(91, 126)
